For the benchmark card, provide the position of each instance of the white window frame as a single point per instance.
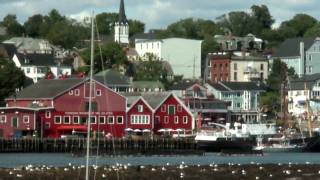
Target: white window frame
(48, 114)
(98, 92)
(17, 121)
(74, 118)
(174, 109)
(140, 108)
(64, 120)
(77, 92)
(55, 122)
(71, 92)
(3, 118)
(104, 119)
(26, 119)
(121, 119)
(166, 120)
(95, 119)
(112, 119)
(176, 119)
(185, 119)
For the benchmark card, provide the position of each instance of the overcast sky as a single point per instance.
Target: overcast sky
(158, 13)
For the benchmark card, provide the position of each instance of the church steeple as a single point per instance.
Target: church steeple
(122, 13)
(121, 28)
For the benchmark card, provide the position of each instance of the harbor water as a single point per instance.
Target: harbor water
(10, 160)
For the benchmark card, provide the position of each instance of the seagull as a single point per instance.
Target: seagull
(288, 172)
(69, 164)
(168, 164)
(260, 167)
(153, 169)
(19, 175)
(103, 176)
(10, 172)
(66, 169)
(257, 177)
(299, 170)
(163, 168)
(233, 172)
(181, 175)
(270, 175)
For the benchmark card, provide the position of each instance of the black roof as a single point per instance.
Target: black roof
(149, 35)
(9, 48)
(182, 85)
(122, 13)
(307, 80)
(239, 86)
(291, 47)
(36, 59)
(47, 89)
(112, 77)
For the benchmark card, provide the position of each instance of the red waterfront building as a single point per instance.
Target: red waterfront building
(219, 67)
(58, 107)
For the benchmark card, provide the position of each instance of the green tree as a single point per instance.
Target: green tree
(136, 27)
(270, 102)
(33, 25)
(150, 69)
(14, 28)
(11, 78)
(106, 21)
(314, 31)
(112, 56)
(300, 23)
(262, 16)
(278, 75)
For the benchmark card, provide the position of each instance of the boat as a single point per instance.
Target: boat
(281, 144)
(220, 137)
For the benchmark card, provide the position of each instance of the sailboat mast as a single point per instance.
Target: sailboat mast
(90, 98)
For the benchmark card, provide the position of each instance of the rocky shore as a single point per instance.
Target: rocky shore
(168, 172)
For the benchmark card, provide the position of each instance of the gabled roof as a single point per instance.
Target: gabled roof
(239, 86)
(149, 35)
(27, 43)
(47, 89)
(112, 77)
(183, 84)
(9, 48)
(147, 84)
(122, 13)
(291, 47)
(36, 59)
(308, 80)
(154, 99)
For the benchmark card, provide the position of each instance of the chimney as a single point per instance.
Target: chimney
(302, 56)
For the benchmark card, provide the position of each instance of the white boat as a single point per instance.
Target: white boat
(281, 144)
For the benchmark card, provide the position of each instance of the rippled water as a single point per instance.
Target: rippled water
(23, 159)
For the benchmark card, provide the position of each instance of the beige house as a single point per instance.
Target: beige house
(248, 68)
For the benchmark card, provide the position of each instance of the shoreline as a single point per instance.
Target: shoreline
(182, 171)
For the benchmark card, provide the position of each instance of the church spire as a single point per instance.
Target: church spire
(122, 13)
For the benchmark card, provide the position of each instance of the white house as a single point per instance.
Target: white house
(184, 55)
(36, 66)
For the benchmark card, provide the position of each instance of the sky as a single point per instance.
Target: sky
(158, 13)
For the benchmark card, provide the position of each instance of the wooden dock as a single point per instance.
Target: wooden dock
(77, 146)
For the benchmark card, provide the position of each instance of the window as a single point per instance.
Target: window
(140, 108)
(93, 120)
(110, 119)
(71, 92)
(310, 69)
(15, 122)
(77, 92)
(48, 114)
(28, 70)
(163, 108)
(176, 119)
(66, 119)
(3, 119)
(94, 106)
(171, 110)
(235, 66)
(185, 119)
(261, 66)
(57, 119)
(76, 119)
(83, 120)
(119, 119)
(102, 119)
(157, 120)
(310, 57)
(98, 92)
(166, 119)
(179, 108)
(26, 119)
(235, 76)
(47, 125)
(261, 76)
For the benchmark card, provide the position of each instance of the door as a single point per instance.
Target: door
(15, 122)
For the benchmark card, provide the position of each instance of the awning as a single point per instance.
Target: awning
(73, 127)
